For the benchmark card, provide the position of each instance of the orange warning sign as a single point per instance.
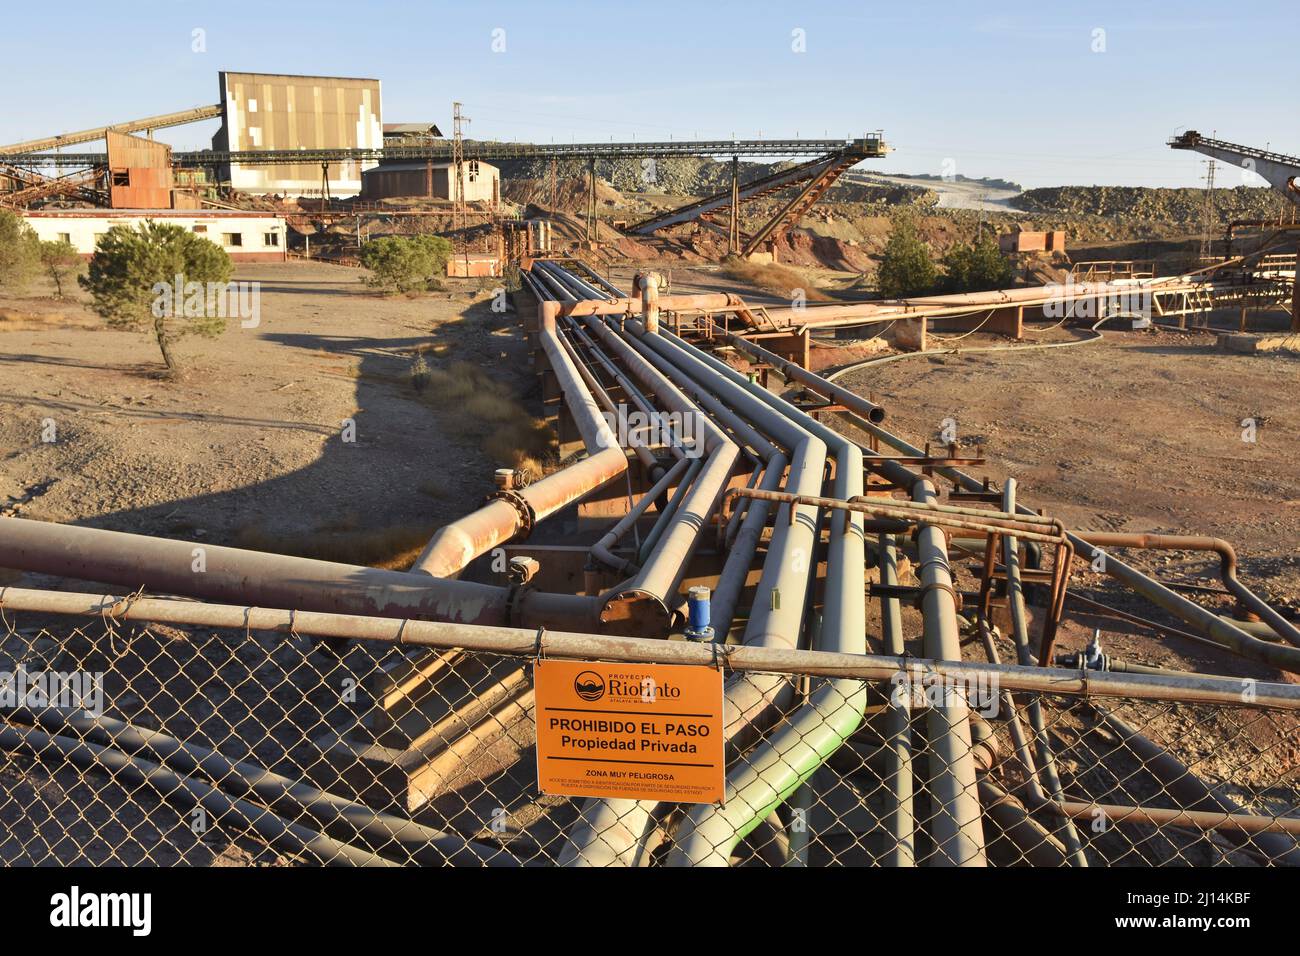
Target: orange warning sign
(638, 731)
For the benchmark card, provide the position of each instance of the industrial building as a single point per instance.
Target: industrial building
(246, 236)
(271, 111)
(398, 133)
(1028, 240)
(432, 180)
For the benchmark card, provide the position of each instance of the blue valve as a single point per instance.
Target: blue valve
(697, 614)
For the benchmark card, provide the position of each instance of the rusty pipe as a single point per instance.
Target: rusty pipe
(1227, 568)
(650, 303)
(274, 580)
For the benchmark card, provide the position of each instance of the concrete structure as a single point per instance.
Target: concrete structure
(246, 236)
(432, 180)
(473, 265)
(139, 172)
(270, 111)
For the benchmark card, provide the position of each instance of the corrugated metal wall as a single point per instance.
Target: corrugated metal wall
(140, 172)
(276, 111)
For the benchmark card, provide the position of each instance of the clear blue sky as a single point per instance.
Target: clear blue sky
(1005, 89)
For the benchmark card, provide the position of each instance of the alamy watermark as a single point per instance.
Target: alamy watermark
(1078, 300)
(631, 426)
(61, 690)
(917, 688)
(208, 300)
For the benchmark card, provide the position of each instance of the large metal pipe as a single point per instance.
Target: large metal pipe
(657, 580)
(1020, 636)
(1227, 568)
(898, 821)
(602, 549)
(955, 825)
(776, 614)
(793, 372)
(781, 764)
(614, 831)
(274, 580)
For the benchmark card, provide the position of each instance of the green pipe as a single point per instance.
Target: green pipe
(775, 769)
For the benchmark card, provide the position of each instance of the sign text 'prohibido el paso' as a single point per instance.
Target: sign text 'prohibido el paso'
(636, 731)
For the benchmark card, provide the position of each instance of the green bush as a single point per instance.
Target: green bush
(406, 263)
(19, 252)
(61, 262)
(133, 278)
(906, 267)
(976, 268)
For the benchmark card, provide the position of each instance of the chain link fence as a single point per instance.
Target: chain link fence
(128, 744)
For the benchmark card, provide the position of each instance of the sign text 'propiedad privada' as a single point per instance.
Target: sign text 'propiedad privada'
(634, 731)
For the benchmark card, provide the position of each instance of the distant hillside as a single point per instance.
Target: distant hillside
(1180, 207)
(693, 176)
(986, 181)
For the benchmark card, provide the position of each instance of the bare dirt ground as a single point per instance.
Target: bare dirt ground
(250, 442)
(1140, 432)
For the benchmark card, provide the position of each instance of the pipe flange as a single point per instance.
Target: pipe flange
(527, 517)
(515, 595)
(925, 589)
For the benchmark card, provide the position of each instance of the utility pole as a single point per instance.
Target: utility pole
(1207, 212)
(459, 212)
(591, 201)
(733, 227)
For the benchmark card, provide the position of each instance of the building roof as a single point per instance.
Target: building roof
(412, 129)
(301, 76)
(150, 213)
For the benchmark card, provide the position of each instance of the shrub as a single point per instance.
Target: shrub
(906, 267)
(61, 262)
(19, 252)
(976, 268)
(406, 264)
(133, 273)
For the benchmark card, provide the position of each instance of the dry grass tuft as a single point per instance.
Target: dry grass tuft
(394, 547)
(486, 409)
(770, 277)
(19, 320)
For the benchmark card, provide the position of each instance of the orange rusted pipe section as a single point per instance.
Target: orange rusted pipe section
(515, 512)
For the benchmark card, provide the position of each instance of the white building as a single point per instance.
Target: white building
(246, 236)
